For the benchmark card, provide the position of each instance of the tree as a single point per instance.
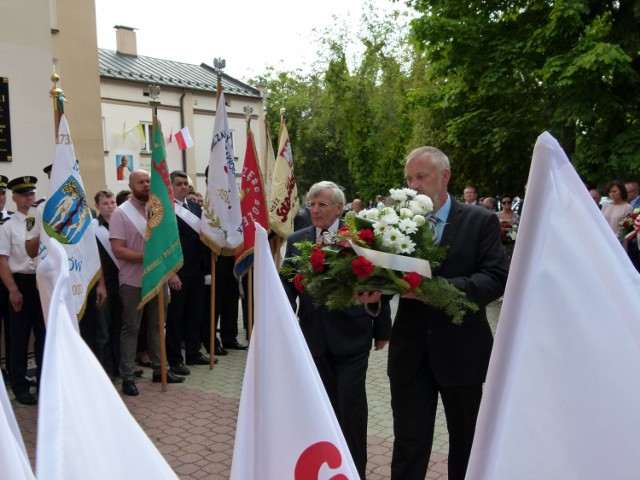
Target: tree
(500, 72)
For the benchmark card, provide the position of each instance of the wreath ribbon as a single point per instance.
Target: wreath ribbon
(394, 261)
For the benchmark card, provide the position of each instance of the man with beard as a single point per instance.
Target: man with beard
(127, 234)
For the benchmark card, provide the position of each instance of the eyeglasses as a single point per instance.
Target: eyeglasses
(506, 203)
(320, 205)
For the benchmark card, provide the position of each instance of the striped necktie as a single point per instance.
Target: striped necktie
(433, 223)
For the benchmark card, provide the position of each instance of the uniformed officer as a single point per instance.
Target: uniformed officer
(17, 271)
(4, 293)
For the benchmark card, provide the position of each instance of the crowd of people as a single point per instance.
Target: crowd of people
(429, 356)
(123, 338)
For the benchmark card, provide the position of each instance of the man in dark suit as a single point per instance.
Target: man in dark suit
(428, 355)
(187, 284)
(339, 341)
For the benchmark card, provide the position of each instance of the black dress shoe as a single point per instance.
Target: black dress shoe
(129, 388)
(171, 377)
(219, 350)
(180, 369)
(200, 360)
(25, 398)
(234, 345)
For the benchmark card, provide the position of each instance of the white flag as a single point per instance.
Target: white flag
(14, 462)
(84, 428)
(67, 218)
(286, 425)
(221, 222)
(562, 399)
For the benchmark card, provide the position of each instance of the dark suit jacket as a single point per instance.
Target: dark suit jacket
(193, 250)
(475, 264)
(343, 332)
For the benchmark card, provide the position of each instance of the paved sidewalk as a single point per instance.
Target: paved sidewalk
(193, 423)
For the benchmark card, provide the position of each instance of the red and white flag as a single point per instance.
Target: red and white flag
(286, 425)
(283, 203)
(561, 398)
(184, 139)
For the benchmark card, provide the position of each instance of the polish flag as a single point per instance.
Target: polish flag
(184, 139)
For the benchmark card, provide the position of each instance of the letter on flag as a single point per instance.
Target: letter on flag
(221, 222)
(252, 205)
(67, 218)
(84, 428)
(184, 139)
(561, 398)
(162, 249)
(283, 203)
(286, 426)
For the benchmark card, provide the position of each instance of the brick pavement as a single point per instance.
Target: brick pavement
(193, 423)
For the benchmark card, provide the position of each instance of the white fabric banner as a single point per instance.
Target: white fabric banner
(286, 425)
(283, 200)
(67, 218)
(221, 222)
(392, 261)
(84, 428)
(14, 461)
(561, 398)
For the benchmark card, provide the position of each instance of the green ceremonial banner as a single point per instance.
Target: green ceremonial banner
(162, 249)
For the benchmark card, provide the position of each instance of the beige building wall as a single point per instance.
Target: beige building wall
(75, 54)
(25, 59)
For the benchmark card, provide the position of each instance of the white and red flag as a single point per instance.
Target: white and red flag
(183, 138)
(561, 398)
(286, 425)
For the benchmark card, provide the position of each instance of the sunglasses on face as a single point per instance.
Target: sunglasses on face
(506, 202)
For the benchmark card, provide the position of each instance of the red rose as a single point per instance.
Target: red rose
(299, 281)
(366, 235)
(317, 260)
(344, 231)
(361, 267)
(413, 279)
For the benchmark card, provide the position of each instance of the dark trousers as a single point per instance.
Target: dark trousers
(28, 319)
(5, 323)
(344, 378)
(89, 323)
(183, 319)
(227, 299)
(108, 332)
(414, 406)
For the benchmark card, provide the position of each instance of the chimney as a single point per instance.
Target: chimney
(126, 40)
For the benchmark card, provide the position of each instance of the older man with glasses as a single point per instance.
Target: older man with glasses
(339, 340)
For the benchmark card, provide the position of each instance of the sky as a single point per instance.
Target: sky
(249, 35)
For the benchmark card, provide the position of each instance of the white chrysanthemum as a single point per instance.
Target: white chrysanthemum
(410, 193)
(406, 213)
(398, 194)
(389, 215)
(371, 214)
(417, 208)
(426, 202)
(420, 220)
(380, 227)
(405, 245)
(408, 226)
(391, 237)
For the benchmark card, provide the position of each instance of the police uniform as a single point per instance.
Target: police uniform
(4, 294)
(22, 271)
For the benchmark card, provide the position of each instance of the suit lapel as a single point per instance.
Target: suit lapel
(451, 227)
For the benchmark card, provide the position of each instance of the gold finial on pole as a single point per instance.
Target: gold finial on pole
(57, 95)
